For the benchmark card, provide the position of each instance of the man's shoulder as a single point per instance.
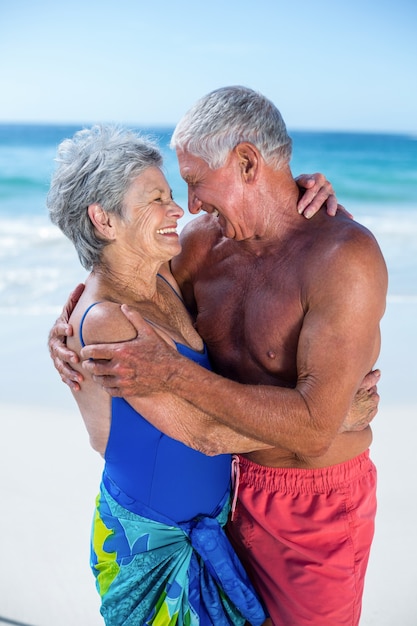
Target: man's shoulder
(202, 224)
(197, 239)
(343, 246)
(201, 233)
(343, 233)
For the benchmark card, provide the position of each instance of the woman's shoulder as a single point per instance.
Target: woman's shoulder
(104, 322)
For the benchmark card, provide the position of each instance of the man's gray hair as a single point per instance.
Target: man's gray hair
(221, 120)
(96, 166)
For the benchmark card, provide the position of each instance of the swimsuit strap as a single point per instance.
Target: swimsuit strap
(82, 322)
(169, 285)
(154, 325)
(182, 348)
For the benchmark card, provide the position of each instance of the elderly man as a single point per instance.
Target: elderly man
(290, 312)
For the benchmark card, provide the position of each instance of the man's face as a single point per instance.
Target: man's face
(219, 192)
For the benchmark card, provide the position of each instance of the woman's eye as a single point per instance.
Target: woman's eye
(164, 201)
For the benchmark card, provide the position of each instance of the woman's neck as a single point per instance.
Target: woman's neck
(126, 282)
(155, 299)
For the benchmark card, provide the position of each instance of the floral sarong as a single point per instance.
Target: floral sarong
(152, 571)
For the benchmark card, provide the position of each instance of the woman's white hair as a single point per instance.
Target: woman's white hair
(96, 166)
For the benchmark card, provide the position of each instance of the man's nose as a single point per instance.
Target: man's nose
(194, 204)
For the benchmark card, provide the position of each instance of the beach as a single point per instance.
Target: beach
(50, 478)
(50, 475)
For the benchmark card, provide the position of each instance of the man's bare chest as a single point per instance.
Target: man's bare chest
(250, 318)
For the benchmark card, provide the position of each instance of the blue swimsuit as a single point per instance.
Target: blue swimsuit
(159, 552)
(158, 471)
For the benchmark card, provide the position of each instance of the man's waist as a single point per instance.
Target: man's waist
(345, 447)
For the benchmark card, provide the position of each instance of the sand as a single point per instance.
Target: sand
(50, 478)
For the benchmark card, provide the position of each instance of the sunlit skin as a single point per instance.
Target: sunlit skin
(266, 288)
(140, 242)
(289, 310)
(237, 298)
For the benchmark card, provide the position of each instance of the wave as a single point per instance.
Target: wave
(12, 185)
(393, 222)
(39, 267)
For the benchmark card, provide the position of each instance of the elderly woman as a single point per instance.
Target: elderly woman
(159, 552)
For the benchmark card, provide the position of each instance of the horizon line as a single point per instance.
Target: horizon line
(169, 126)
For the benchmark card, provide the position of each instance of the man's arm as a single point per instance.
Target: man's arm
(62, 356)
(178, 418)
(182, 421)
(343, 319)
(123, 375)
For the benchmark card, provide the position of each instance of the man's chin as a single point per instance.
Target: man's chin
(227, 230)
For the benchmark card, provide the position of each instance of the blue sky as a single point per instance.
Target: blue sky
(337, 65)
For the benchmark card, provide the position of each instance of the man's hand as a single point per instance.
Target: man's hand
(139, 367)
(365, 404)
(318, 191)
(60, 354)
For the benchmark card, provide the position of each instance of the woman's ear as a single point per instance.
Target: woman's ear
(248, 158)
(101, 221)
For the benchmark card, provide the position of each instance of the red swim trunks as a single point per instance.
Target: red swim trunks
(305, 537)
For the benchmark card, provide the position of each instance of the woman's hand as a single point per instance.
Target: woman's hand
(317, 192)
(365, 404)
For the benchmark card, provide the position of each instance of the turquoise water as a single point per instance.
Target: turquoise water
(375, 177)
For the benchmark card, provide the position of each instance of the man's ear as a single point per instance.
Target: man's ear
(249, 160)
(101, 221)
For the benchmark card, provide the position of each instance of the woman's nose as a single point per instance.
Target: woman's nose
(175, 209)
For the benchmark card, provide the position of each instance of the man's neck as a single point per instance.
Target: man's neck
(277, 203)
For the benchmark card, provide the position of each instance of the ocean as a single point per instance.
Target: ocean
(374, 175)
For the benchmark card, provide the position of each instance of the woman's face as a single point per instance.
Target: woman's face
(150, 217)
